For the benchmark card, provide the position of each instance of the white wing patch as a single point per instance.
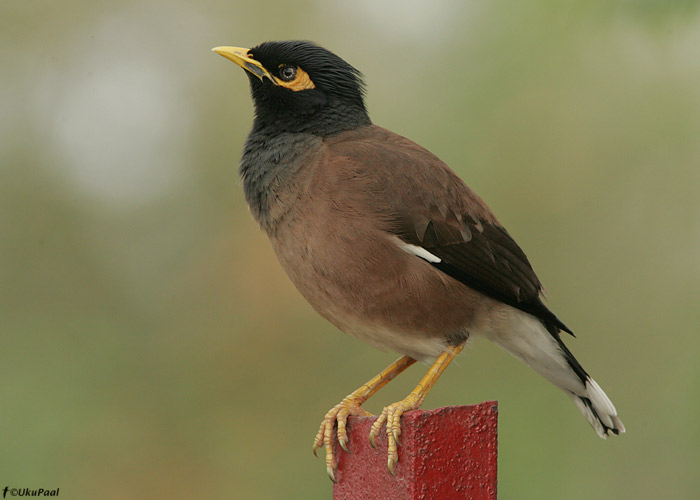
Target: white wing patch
(418, 251)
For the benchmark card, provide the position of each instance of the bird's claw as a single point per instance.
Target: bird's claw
(391, 415)
(331, 473)
(343, 444)
(338, 415)
(376, 428)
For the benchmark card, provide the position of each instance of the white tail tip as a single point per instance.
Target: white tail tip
(599, 410)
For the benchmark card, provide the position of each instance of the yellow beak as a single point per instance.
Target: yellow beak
(241, 57)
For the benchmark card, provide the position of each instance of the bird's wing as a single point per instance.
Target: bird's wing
(440, 219)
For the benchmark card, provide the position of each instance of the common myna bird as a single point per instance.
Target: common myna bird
(385, 241)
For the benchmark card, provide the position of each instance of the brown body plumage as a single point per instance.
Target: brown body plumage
(340, 250)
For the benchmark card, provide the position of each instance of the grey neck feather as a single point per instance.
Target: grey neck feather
(268, 165)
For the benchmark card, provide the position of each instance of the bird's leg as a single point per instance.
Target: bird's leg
(392, 413)
(352, 405)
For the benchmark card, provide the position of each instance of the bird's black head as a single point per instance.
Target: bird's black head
(298, 86)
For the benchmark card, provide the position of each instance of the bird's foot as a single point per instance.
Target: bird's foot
(338, 414)
(391, 415)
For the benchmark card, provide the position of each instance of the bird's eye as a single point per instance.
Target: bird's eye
(287, 73)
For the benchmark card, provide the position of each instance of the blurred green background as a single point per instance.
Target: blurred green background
(151, 346)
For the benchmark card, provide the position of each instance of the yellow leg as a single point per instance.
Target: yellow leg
(392, 413)
(351, 405)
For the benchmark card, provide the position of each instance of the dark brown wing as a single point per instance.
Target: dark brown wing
(429, 207)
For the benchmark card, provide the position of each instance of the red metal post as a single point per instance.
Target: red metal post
(445, 454)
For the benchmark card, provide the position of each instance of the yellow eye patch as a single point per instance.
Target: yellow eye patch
(301, 81)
